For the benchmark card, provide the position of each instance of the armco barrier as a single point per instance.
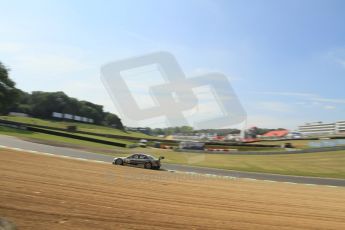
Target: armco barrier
(240, 144)
(289, 151)
(56, 133)
(80, 132)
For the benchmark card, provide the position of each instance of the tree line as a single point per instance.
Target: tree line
(252, 132)
(188, 130)
(42, 104)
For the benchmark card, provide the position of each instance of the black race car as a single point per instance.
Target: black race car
(139, 159)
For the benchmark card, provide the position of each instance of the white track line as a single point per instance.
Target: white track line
(54, 155)
(287, 182)
(269, 181)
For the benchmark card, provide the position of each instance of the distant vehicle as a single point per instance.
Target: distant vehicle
(192, 145)
(294, 135)
(139, 159)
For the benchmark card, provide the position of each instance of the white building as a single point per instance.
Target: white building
(317, 128)
(340, 127)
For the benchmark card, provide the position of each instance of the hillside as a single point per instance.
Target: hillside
(97, 129)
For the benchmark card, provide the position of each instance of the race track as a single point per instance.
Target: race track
(21, 144)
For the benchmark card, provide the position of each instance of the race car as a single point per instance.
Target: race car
(139, 159)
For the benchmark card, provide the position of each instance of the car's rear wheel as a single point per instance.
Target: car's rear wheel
(148, 165)
(119, 162)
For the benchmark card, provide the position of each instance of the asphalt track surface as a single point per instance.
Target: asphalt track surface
(21, 144)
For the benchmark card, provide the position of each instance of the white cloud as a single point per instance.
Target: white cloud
(329, 107)
(294, 94)
(272, 121)
(342, 62)
(56, 64)
(306, 96)
(44, 58)
(338, 55)
(332, 100)
(202, 71)
(301, 103)
(10, 47)
(274, 106)
(48, 66)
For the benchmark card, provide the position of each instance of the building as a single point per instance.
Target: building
(294, 135)
(276, 133)
(319, 128)
(192, 145)
(139, 129)
(233, 137)
(340, 127)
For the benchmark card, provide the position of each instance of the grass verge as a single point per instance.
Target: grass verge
(323, 164)
(80, 126)
(56, 140)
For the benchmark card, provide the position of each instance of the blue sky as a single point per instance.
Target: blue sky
(285, 59)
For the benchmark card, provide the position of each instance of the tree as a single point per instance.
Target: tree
(8, 93)
(43, 104)
(186, 129)
(113, 120)
(91, 110)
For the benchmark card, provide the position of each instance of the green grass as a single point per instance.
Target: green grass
(98, 137)
(52, 138)
(80, 126)
(323, 164)
(299, 144)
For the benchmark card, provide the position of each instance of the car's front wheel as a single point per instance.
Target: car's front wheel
(148, 165)
(119, 162)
